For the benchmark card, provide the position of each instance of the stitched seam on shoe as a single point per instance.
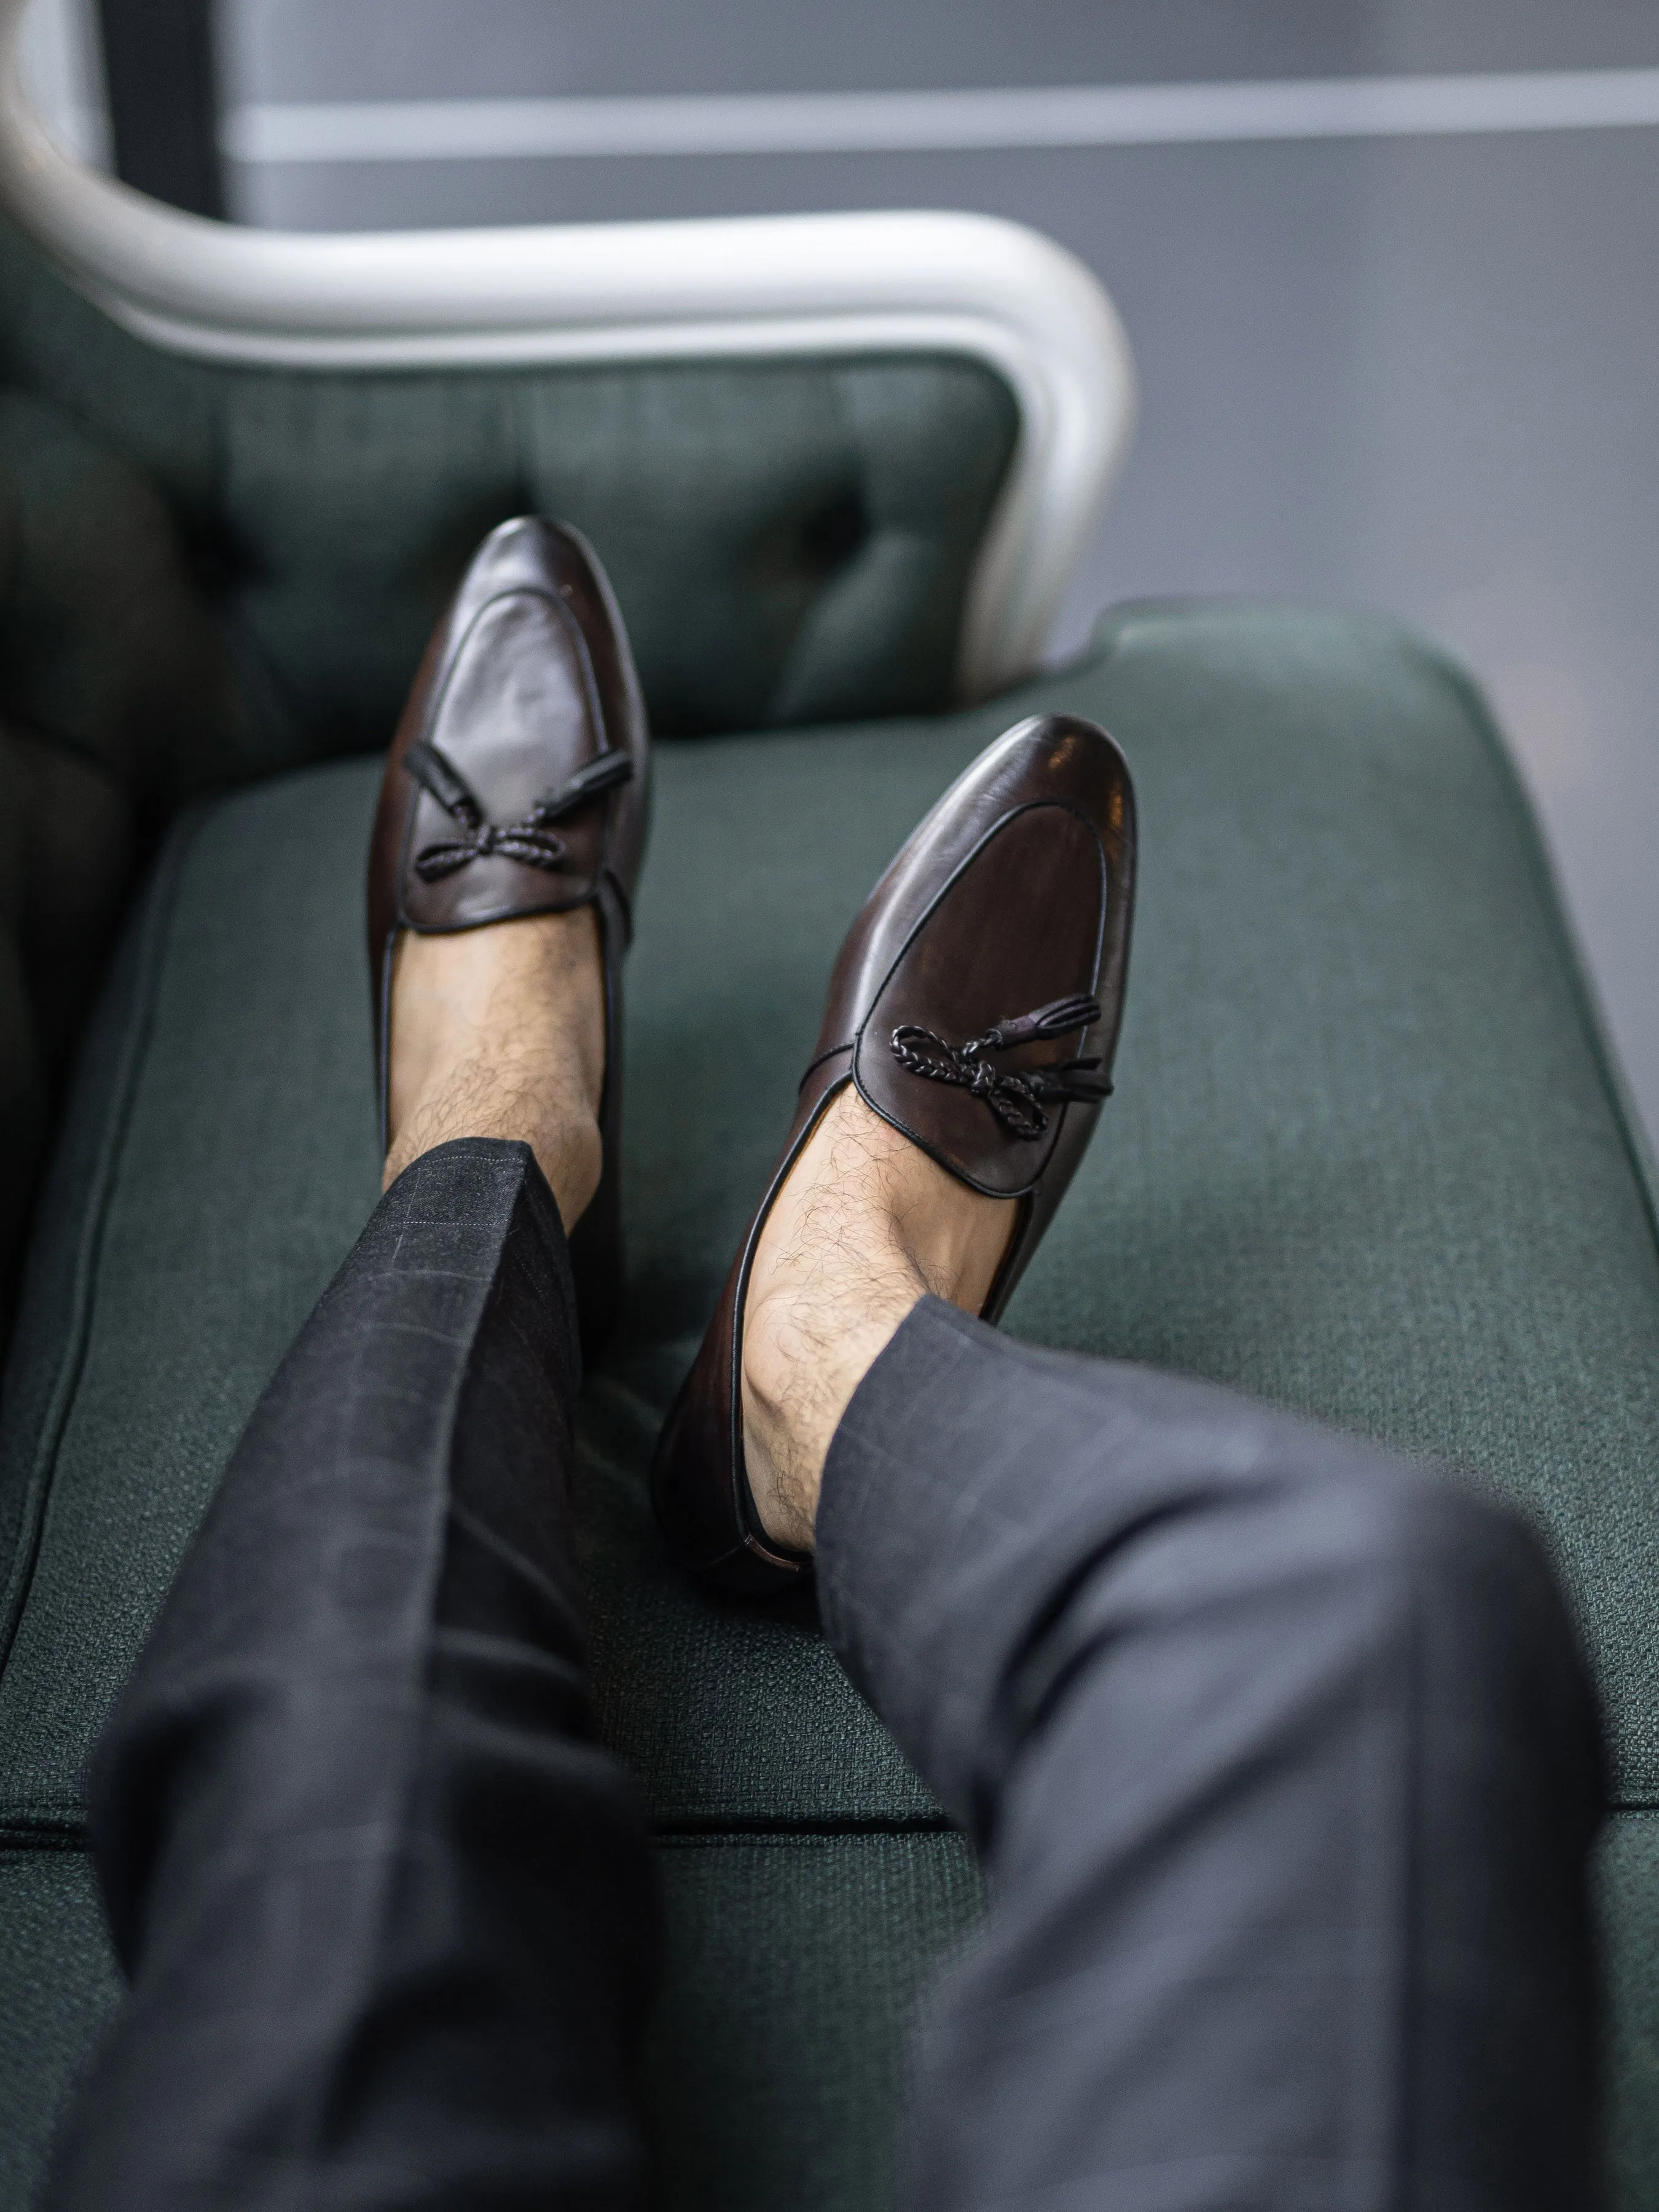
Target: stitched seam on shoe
(157, 925)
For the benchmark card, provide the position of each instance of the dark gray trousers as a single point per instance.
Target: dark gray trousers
(1281, 1756)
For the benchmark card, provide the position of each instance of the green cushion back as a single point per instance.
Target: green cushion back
(791, 540)
(1364, 1159)
(116, 690)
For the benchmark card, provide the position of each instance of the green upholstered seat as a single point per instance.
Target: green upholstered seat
(1365, 1158)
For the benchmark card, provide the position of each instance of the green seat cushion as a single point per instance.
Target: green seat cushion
(793, 1967)
(58, 1984)
(1363, 1158)
(1630, 1910)
(796, 1965)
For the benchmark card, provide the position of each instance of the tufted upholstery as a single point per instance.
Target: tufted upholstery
(790, 540)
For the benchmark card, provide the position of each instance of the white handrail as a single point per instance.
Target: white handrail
(800, 285)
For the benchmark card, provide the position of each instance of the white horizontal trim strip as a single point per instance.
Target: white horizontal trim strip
(917, 122)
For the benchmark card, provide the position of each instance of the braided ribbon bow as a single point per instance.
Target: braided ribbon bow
(1016, 1099)
(532, 841)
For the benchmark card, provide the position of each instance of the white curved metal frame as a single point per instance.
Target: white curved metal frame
(816, 286)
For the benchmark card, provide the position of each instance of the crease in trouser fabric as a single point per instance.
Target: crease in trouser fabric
(1284, 1762)
(1282, 1754)
(385, 1905)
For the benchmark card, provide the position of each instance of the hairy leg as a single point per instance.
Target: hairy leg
(865, 1226)
(499, 1032)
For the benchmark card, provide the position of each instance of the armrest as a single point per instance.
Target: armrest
(813, 287)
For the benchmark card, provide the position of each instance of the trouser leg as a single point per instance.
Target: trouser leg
(1286, 1770)
(384, 1906)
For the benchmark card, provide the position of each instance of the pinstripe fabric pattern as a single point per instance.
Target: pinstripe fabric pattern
(1285, 1765)
(384, 1904)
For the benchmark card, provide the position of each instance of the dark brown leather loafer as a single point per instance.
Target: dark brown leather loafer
(976, 1005)
(517, 784)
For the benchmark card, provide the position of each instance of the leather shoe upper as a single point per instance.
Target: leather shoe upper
(527, 684)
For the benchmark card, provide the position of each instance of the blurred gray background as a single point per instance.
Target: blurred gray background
(1412, 373)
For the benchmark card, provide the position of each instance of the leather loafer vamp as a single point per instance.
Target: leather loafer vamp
(499, 840)
(988, 1024)
(516, 782)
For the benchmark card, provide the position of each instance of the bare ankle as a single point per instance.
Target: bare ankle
(865, 1226)
(499, 1032)
(800, 1369)
(485, 1101)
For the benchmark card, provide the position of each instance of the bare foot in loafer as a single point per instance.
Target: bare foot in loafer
(964, 1053)
(864, 1227)
(513, 803)
(499, 1032)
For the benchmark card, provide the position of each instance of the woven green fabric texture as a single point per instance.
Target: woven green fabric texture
(775, 2074)
(59, 1981)
(1363, 1159)
(790, 539)
(1629, 1901)
(796, 1968)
